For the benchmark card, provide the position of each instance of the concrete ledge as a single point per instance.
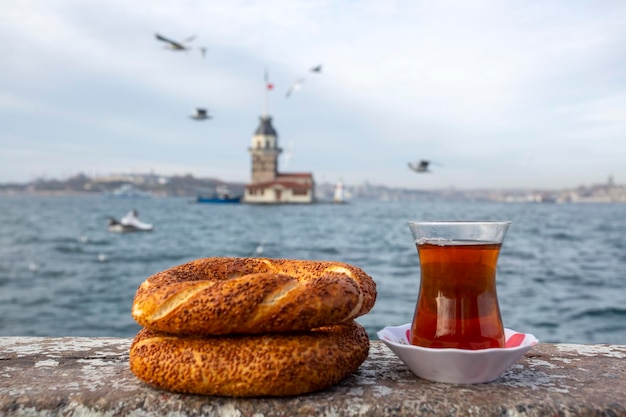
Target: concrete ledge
(90, 377)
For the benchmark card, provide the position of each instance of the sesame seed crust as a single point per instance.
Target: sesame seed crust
(277, 364)
(223, 296)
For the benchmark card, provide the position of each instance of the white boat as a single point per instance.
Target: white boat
(338, 196)
(128, 191)
(129, 223)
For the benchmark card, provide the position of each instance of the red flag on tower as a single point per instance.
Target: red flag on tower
(268, 84)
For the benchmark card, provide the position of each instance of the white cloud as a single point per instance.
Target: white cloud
(481, 86)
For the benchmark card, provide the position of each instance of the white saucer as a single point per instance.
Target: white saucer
(457, 366)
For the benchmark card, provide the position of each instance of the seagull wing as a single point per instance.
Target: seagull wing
(173, 44)
(295, 87)
(421, 167)
(317, 68)
(163, 38)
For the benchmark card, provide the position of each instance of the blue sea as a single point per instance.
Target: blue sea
(561, 273)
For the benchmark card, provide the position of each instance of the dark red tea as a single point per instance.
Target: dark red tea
(457, 306)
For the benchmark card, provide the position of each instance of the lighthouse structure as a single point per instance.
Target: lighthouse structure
(268, 185)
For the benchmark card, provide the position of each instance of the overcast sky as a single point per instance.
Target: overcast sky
(497, 93)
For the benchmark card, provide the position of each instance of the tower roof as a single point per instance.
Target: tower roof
(265, 127)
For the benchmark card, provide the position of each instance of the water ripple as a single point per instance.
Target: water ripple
(560, 273)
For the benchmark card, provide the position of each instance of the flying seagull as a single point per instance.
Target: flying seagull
(317, 68)
(295, 87)
(200, 114)
(421, 167)
(175, 45)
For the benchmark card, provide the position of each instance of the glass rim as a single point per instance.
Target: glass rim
(459, 222)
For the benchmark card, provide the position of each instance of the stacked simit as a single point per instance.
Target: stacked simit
(251, 326)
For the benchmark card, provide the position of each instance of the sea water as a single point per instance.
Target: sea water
(561, 272)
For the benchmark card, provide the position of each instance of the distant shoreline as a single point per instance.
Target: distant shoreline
(189, 186)
(389, 194)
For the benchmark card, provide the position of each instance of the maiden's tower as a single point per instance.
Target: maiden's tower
(268, 185)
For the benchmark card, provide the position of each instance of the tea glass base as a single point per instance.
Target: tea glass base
(457, 366)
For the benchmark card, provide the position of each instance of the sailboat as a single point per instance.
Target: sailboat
(338, 197)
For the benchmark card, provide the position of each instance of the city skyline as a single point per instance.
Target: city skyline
(496, 94)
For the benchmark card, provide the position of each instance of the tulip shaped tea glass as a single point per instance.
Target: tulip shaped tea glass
(457, 305)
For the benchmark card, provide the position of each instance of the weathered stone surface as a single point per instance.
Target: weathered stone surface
(90, 377)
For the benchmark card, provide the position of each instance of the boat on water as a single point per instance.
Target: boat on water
(129, 223)
(221, 195)
(128, 191)
(218, 199)
(338, 196)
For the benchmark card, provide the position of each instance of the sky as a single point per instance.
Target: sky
(497, 94)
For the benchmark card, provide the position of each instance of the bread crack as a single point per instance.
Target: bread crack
(274, 297)
(178, 299)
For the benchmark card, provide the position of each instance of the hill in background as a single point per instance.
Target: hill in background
(190, 186)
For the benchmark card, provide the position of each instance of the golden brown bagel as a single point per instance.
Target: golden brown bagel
(277, 364)
(218, 296)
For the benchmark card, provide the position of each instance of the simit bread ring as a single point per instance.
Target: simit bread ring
(218, 296)
(278, 364)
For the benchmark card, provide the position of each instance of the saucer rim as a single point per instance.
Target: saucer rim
(533, 342)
